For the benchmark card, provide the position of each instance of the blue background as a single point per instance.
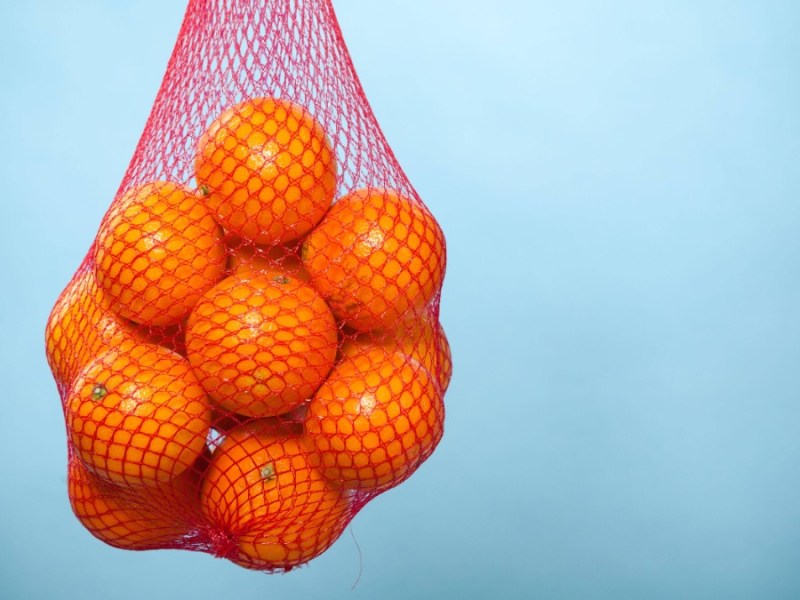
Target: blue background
(618, 182)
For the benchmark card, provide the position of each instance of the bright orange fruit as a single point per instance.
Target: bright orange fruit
(157, 251)
(423, 340)
(80, 327)
(275, 506)
(375, 419)
(268, 170)
(244, 257)
(134, 518)
(137, 415)
(377, 257)
(261, 344)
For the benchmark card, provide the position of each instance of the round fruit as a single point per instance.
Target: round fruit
(267, 169)
(377, 257)
(134, 518)
(137, 415)
(376, 418)
(246, 258)
(276, 507)
(261, 344)
(80, 327)
(423, 340)
(157, 251)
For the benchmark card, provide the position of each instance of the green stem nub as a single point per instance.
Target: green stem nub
(99, 392)
(205, 190)
(268, 472)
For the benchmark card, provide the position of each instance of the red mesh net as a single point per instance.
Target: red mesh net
(250, 350)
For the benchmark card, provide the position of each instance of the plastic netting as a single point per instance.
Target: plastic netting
(250, 350)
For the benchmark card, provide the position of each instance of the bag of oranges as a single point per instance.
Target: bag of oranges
(250, 350)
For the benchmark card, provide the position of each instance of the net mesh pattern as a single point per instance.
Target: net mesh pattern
(250, 351)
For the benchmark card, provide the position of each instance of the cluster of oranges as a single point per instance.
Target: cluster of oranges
(242, 362)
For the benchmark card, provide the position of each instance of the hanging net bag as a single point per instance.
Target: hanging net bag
(250, 350)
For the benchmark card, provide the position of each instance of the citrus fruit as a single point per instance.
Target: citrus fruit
(267, 169)
(137, 415)
(276, 507)
(134, 518)
(376, 257)
(262, 344)
(157, 251)
(424, 340)
(245, 257)
(80, 327)
(375, 419)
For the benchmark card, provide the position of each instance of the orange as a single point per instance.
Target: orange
(157, 251)
(244, 257)
(267, 169)
(376, 257)
(80, 327)
(277, 509)
(137, 415)
(134, 518)
(223, 421)
(423, 340)
(261, 344)
(375, 419)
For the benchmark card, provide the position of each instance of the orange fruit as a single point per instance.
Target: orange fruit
(423, 340)
(224, 421)
(277, 509)
(376, 257)
(134, 518)
(137, 415)
(157, 251)
(267, 169)
(244, 257)
(262, 344)
(80, 326)
(375, 419)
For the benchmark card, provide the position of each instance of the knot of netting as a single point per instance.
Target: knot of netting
(223, 544)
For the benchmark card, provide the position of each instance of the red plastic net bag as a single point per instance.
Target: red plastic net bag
(250, 350)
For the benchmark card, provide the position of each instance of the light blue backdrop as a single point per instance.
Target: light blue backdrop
(619, 185)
